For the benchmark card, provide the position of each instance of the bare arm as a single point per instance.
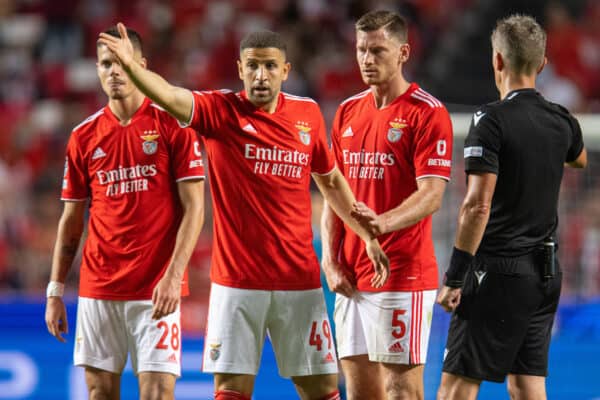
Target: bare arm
(70, 228)
(340, 198)
(176, 100)
(331, 238)
(472, 220)
(167, 293)
(580, 162)
(426, 200)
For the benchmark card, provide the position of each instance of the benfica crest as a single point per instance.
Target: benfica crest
(304, 132)
(150, 145)
(395, 132)
(215, 351)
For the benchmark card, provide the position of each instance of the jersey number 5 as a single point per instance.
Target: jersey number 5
(398, 325)
(163, 343)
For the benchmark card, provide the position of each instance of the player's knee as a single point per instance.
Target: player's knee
(402, 390)
(316, 387)
(97, 391)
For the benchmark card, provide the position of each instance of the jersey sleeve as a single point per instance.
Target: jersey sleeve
(186, 151)
(336, 150)
(576, 141)
(321, 161)
(75, 185)
(433, 148)
(483, 143)
(206, 111)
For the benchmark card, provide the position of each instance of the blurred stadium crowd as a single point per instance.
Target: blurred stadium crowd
(48, 84)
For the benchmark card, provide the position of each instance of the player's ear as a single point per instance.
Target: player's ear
(240, 72)
(287, 67)
(404, 53)
(498, 61)
(144, 62)
(542, 65)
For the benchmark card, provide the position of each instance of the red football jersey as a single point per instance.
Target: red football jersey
(259, 169)
(129, 173)
(382, 154)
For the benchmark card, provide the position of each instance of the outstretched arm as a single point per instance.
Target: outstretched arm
(70, 228)
(167, 293)
(426, 200)
(176, 100)
(339, 196)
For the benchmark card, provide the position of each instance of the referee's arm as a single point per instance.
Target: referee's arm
(472, 220)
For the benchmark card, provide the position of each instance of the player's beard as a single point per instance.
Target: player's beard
(265, 97)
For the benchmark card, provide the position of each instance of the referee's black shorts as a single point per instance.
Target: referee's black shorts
(504, 320)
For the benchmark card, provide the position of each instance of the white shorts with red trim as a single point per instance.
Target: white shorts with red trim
(107, 331)
(391, 327)
(296, 321)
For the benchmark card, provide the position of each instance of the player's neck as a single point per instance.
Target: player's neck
(515, 82)
(124, 109)
(385, 93)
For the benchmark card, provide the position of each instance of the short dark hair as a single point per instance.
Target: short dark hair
(393, 23)
(262, 40)
(136, 39)
(522, 43)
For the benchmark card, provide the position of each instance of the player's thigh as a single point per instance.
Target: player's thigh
(397, 325)
(102, 385)
(236, 330)
(363, 378)
(156, 386)
(155, 345)
(301, 334)
(101, 335)
(349, 331)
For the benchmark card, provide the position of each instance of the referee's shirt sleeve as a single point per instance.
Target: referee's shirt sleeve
(576, 140)
(482, 144)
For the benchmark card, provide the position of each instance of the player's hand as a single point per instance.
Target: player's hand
(166, 296)
(56, 317)
(381, 263)
(368, 219)
(337, 280)
(449, 298)
(122, 46)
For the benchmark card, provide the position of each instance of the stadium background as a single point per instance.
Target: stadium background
(48, 84)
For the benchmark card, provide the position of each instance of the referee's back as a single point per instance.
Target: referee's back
(525, 140)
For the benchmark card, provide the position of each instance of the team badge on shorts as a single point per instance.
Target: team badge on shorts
(215, 351)
(150, 145)
(395, 132)
(304, 132)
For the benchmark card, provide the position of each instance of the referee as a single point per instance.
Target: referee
(503, 282)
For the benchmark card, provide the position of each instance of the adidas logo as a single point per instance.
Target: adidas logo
(328, 359)
(348, 132)
(98, 153)
(396, 348)
(249, 128)
(172, 358)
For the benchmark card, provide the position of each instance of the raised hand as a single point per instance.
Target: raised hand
(368, 219)
(381, 263)
(122, 47)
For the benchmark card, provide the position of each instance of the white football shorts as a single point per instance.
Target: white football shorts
(108, 330)
(296, 322)
(391, 327)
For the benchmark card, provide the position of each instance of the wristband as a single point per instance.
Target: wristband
(55, 289)
(460, 262)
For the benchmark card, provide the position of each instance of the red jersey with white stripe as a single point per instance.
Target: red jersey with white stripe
(382, 154)
(259, 168)
(129, 173)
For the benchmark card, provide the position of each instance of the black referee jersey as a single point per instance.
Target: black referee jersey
(525, 140)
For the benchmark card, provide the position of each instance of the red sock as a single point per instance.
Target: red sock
(332, 396)
(233, 395)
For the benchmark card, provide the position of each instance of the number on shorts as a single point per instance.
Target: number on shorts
(399, 327)
(163, 343)
(315, 338)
